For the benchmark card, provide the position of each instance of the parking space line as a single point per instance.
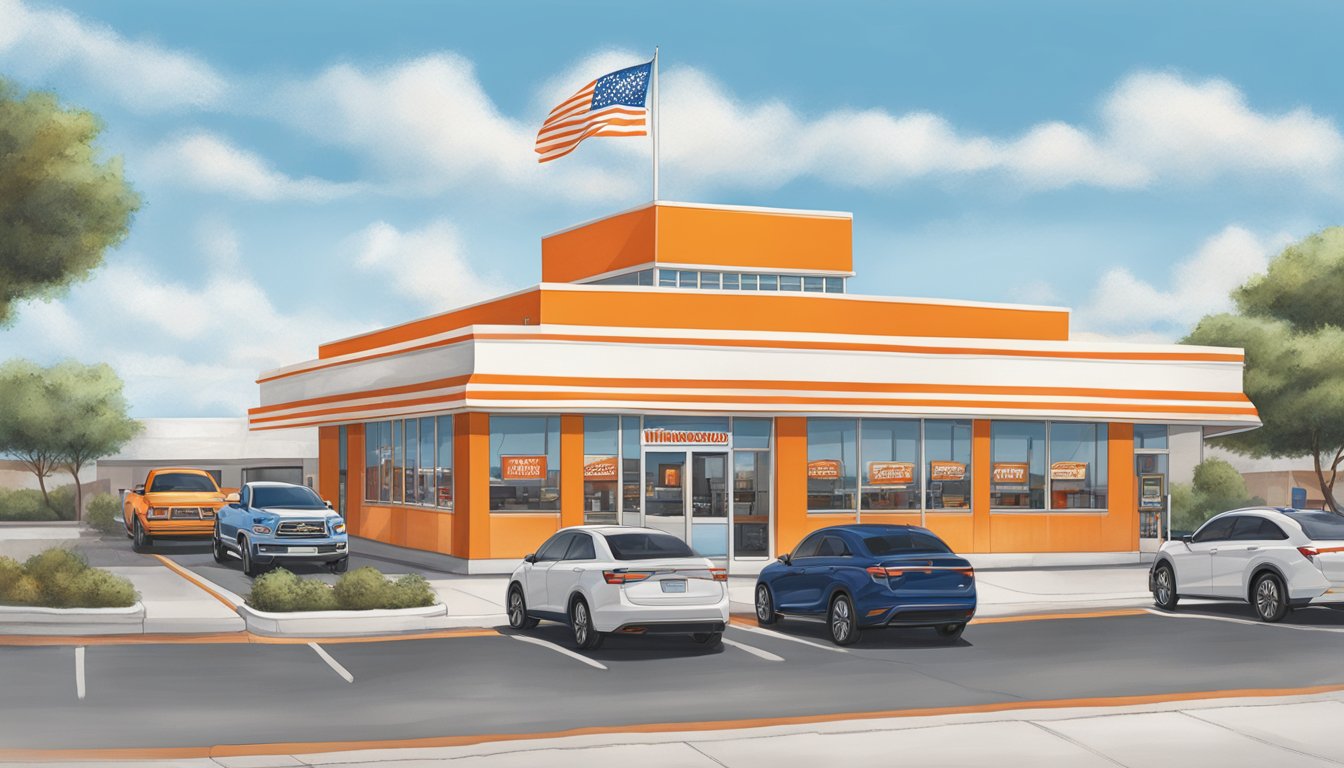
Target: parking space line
(334, 664)
(560, 650)
(79, 672)
(790, 638)
(1247, 622)
(753, 650)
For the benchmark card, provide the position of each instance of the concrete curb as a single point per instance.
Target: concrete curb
(32, 620)
(344, 623)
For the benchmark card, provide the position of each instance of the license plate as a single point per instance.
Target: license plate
(674, 585)
(303, 550)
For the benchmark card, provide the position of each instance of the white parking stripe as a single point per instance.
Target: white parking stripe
(1250, 622)
(790, 638)
(334, 664)
(79, 671)
(754, 651)
(560, 650)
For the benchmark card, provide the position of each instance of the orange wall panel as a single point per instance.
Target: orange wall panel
(571, 470)
(980, 474)
(1122, 525)
(957, 529)
(510, 310)
(783, 241)
(613, 243)
(422, 528)
(354, 490)
(472, 519)
(376, 523)
(516, 534)
(650, 308)
(791, 519)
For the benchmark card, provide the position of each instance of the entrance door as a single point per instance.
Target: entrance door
(665, 491)
(709, 504)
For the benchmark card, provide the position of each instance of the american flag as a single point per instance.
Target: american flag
(611, 105)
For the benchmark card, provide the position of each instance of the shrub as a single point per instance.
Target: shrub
(63, 499)
(101, 514)
(96, 588)
(412, 591)
(24, 504)
(10, 572)
(1217, 487)
(279, 590)
(362, 589)
(25, 591)
(59, 578)
(47, 564)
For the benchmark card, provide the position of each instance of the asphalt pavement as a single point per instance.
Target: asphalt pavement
(195, 695)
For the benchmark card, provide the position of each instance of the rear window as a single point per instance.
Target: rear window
(1319, 525)
(647, 546)
(913, 542)
(182, 482)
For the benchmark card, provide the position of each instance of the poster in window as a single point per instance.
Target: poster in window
(1010, 472)
(947, 471)
(522, 467)
(891, 473)
(599, 468)
(1068, 470)
(823, 469)
(670, 474)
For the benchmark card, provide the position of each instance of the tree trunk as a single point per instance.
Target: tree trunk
(79, 491)
(46, 499)
(1328, 486)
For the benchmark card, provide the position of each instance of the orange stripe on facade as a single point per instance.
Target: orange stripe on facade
(455, 381)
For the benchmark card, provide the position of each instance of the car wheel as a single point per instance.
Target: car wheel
(1269, 598)
(765, 606)
(142, 539)
(844, 627)
(1164, 588)
(340, 566)
(581, 622)
(217, 548)
(517, 607)
(950, 631)
(250, 567)
(708, 639)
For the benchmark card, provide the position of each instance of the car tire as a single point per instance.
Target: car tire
(141, 540)
(840, 620)
(340, 566)
(250, 566)
(765, 606)
(1269, 598)
(217, 549)
(516, 605)
(950, 632)
(708, 639)
(581, 623)
(1164, 588)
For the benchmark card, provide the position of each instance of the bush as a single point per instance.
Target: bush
(101, 513)
(59, 578)
(24, 504)
(1217, 487)
(362, 589)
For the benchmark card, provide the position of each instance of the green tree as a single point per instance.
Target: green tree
(27, 418)
(1217, 487)
(1289, 322)
(61, 207)
(92, 420)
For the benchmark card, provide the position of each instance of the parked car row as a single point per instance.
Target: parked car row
(261, 524)
(625, 580)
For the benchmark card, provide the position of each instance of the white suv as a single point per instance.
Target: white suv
(619, 579)
(1274, 558)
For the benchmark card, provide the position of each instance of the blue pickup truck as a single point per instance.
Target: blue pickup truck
(267, 523)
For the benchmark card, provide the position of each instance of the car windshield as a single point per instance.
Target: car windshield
(287, 496)
(182, 481)
(912, 542)
(647, 546)
(1319, 526)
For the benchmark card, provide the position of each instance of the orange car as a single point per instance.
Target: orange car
(174, 502)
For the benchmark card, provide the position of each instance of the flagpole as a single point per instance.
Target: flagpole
(653, 123)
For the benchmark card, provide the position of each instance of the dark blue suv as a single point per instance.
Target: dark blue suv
(859, 576)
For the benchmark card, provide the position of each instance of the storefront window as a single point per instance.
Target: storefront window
(385, 462)
(443, 459)
(947, 451)
(1077, 466)
(751, 503)
(373, 432)
(630, 447)
(890, 471)
(1152, 437)
(343, 468)
(524, 463)
(832, 463)
(601, 473)
(425, 473)
(411, 431)
(398, 463)
(1017, 464)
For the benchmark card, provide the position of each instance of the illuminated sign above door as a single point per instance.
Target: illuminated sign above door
(684, 437)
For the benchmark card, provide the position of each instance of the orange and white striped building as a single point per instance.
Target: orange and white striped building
(702, 369)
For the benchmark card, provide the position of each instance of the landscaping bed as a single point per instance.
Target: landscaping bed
(363, 601)
(59, 578)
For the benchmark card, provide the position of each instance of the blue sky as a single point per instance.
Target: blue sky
(313, 169)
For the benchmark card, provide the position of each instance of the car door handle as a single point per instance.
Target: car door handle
(577, 570)
(1213, 551)
(1251, 549)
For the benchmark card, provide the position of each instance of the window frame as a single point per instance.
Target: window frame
(1102, 442)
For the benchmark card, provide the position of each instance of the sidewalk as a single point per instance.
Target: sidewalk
(1226, 733)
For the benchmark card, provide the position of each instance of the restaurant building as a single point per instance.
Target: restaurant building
(705, 370)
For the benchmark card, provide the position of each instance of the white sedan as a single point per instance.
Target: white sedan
(1274, 558)
(619, 579)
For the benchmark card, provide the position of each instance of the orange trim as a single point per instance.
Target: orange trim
(454, 381)
(444, 400)
(293, 748)
(1054, 616)
(508, 310)
(191, 577)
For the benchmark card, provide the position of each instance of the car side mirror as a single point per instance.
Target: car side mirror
(1187, 538)
(139, 489)
(785, 558)
(231, 498)
(530, 559)
(328, 503)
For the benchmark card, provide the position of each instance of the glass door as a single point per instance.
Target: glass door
(665, 491)
(709, 504)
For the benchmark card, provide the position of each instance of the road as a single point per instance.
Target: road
(197, 695)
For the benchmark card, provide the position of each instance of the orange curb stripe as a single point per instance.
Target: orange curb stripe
(1053, 616)
(218, 638)
(189, 576)
(304, 748)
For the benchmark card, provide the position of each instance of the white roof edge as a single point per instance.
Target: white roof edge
(709, 206)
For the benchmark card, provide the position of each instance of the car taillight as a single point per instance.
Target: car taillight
(719, 574)
(625, 577)
(1309, 552)
(879, 573)
(968, 572)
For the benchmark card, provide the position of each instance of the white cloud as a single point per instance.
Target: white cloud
(427, 264)
(36, 42)
(1125, 305)
(208, 162)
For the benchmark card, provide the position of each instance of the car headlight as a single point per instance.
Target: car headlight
(207, 513)
(338, 526)
(158, 512)
(262, 529)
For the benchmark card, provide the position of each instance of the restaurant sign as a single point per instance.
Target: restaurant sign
(946, 471)
(891, 472)
(599, 467)
(522, 467)
(1010, 472)
(823, 469)
(1068, 470)
(684, 437)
